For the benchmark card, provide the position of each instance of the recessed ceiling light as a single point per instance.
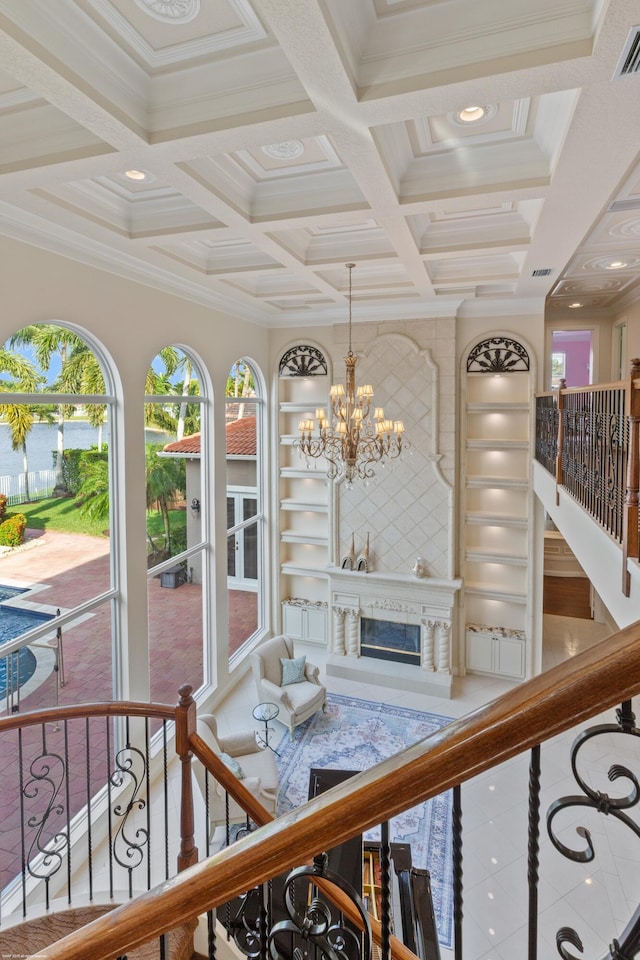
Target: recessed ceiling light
(135, 174)
(472, 114)
(616, 264)
(574, 306)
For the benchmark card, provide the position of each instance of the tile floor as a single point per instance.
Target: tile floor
(595, 898)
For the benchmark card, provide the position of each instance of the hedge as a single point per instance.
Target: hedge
(73, 463)
(12, 530)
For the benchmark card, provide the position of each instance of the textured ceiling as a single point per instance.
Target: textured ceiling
(283, 138)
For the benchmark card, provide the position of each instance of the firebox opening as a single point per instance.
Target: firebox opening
(383, 640)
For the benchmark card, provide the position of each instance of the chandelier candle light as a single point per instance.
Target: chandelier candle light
(351, 440)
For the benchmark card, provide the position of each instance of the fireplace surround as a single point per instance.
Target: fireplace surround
(423, 603)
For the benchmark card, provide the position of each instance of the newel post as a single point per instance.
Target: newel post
(630, 515)
(185, 727)
(560, 439)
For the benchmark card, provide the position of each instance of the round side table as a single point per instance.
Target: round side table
(265, 713)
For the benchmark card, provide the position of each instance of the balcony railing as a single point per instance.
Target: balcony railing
(589, 439)
(606, 676)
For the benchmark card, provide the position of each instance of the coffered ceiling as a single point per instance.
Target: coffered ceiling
(279, 139)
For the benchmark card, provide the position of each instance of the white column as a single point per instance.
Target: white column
(353, 633)
(443, 631)
(428, 634)
(338, 631)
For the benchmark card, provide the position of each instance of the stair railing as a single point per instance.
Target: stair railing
(541, 708)
(588, 438)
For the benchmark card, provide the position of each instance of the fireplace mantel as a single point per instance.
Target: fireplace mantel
(427, 602)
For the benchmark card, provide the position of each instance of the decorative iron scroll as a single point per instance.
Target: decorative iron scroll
(303, 361)
(131, 839)
(43, 789)
(594, 799)
(498, 355)
(311, 918)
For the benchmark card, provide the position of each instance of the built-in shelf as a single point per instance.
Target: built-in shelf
(497, 519)
(304, 541)
(304, 570)
(490, 592)
(310, 506)
(494, 407)
(288, 406)
(485, 444)
(514, 483)
(294, 536)
(484, 556)
(496, 427)
(295, 473)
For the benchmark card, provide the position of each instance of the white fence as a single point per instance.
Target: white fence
(41, 484)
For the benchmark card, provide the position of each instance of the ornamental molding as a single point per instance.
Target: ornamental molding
(498, 355)
(303, 361)
(171, 11)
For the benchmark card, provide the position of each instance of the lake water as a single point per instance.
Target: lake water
(43, 441)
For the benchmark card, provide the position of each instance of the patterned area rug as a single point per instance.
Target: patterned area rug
(355, 735)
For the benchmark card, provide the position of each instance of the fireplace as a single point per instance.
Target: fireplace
(385, 640)
(392, 630)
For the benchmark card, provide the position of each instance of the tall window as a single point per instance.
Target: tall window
(175, 422)
(245, 517)
(57, 578)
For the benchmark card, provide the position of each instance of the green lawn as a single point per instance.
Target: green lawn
(62, 513)
(58, 513)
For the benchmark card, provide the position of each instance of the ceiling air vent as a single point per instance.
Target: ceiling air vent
(542, 272)
(629, 62)
(620, 206)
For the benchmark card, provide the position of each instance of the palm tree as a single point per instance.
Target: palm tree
(185, 417)
(82, 373)
(48, 339)
(164, 476)
(19, 416)
(94, 491)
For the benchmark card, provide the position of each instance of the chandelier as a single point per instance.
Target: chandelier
(351, 439)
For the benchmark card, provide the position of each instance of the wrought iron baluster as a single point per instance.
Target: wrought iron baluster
(165, 770)
(628, 945)
(457, 872)
(534, 850)
(110, 806)
(385, 891)
(68, 803)
(89, 811)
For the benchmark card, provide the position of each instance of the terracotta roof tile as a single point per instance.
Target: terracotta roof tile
(186, 445)
(241, 437)
(241, 440)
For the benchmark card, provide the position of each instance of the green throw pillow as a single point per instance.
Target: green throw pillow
(292, 670)
(233, 765)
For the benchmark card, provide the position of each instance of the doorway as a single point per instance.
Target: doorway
(572, 358)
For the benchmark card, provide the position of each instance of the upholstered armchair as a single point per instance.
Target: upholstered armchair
(288, 681)
(255, 767)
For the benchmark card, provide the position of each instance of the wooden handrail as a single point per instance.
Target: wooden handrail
(572, 693)
(78, 711)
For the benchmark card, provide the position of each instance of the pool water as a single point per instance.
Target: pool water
(13, 623)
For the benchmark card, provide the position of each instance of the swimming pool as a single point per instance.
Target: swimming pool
(13, 623)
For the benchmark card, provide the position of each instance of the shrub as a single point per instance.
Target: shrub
(75, 463)
(12, 530)
(3, 505)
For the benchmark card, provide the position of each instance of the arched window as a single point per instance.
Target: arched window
(57, 574)
(176, 499)
(245, 511)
